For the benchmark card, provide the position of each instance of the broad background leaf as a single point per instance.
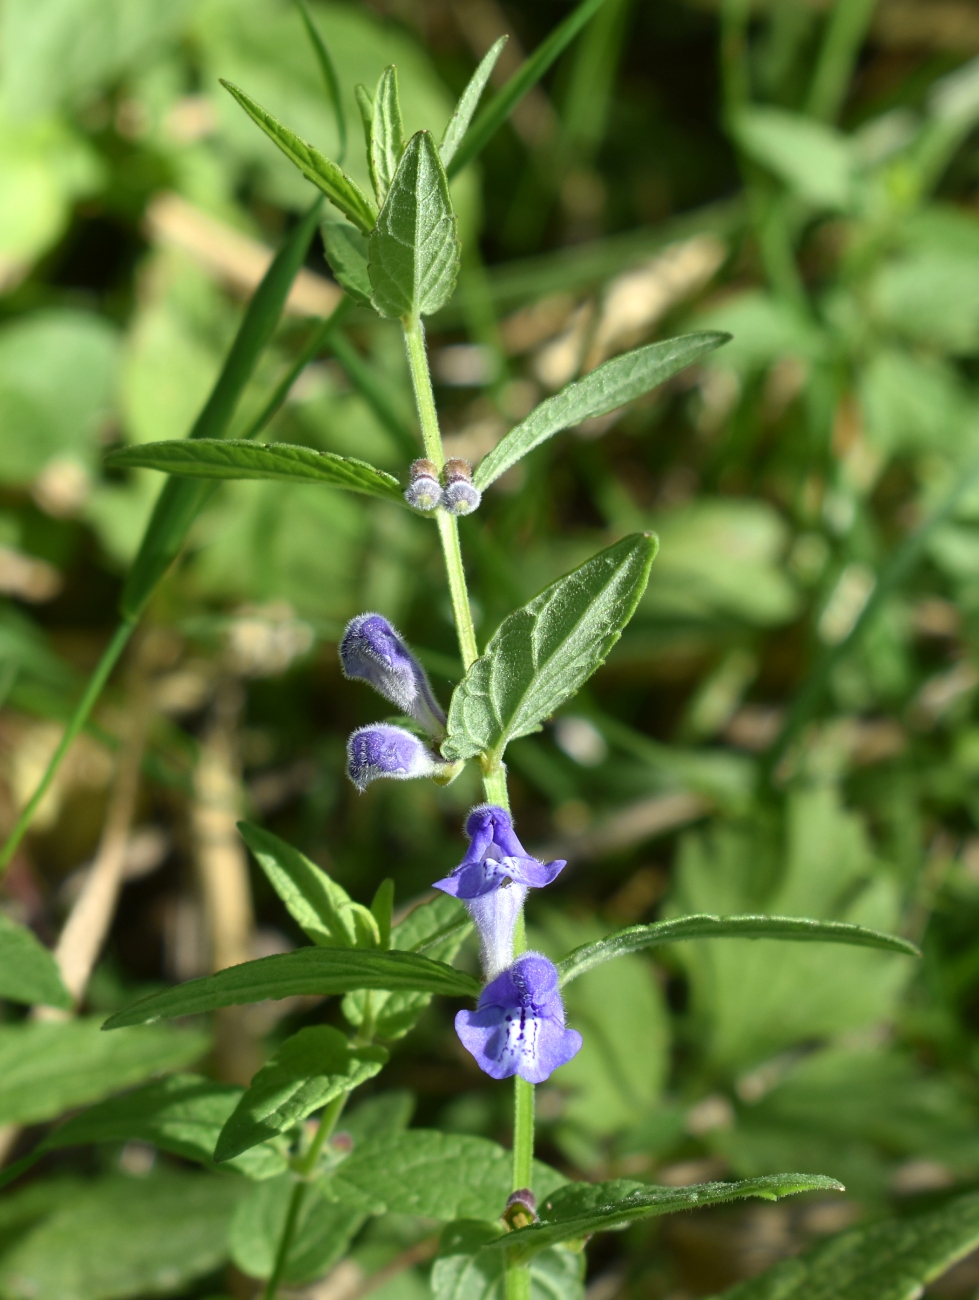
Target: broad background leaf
(414, 250)
(28, 972)
(464, 1271)
(541, 654)
(613, 384)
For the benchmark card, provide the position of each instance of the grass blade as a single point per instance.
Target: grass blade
(329, 74)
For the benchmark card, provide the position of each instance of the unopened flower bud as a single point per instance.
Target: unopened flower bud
(459, 496)
(521, 1209)
(424, 491)
(383, 750)
(375, 652)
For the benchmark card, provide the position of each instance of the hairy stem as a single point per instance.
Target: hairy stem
(304, 1168)
(78, 719)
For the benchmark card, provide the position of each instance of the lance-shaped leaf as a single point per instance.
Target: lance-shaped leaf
(618, 381)
(183, 1113)
(527, 75)
(342, 192)
(458, 123)
(308, 972)
(232, 458)
(387, 133)
(323, 908)
(414, 250)
(28, 972)
(541, 654)
(893, 1260)
(577, 1210)
(792, 928)
(309, 1070)
(346, 252)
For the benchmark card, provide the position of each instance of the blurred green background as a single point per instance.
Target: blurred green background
(789, 723)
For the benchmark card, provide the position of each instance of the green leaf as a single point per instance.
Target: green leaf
(437, 929)
(316, 971)
(123, 1237)
(179, 503)
(324, 1230)
(323, 908)
(329, 75)
(309, 1070)
(796, 929)
(541, 654)
(342, 192)
(382, 910)
(436, 1175)
(893, 1260)
(527, 75)
(814, 160)
(613, 384)
(387, 133)
(577, 1210)
(28, 972)
(346, 252)
(231, 458)
(414, 250)
(48, 1068)
(458, 123)
(465, 1271)
(183, 1114)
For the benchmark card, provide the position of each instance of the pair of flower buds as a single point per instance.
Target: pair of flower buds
(518, 1026)
(455, 493)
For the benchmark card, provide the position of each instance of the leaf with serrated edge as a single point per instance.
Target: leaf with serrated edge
(346, 252)
(309, 1069)
(618, 381)
(435, 1175)
(541, 654)
(183, 1114)
(308, 971)
(342, 192)
(28, 972)
(792, 928)
(235, 458)
(323, 908)
(579, 1209)
(414, 250)
(387, 133)
(458, 123)
(893, 1260)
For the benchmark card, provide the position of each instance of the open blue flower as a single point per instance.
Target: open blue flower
(492, 880)
(375, 652)
(518, 1025)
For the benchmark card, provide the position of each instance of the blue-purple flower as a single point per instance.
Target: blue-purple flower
(383, 750)
(492, 880)
(518, 1025)
(372, 650)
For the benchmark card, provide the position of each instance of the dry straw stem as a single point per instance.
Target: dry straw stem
(234, 259)
(629, 826)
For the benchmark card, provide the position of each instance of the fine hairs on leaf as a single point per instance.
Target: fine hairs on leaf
(229, 458)
(387, 133)
(414, 251)
(794, 929)
(342, 192)
(618, 381)
(458, 123)
(541, 654)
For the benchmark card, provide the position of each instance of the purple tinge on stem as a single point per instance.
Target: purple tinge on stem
(383, 750)
(518, 1025)
(375, 652)
(492, 880)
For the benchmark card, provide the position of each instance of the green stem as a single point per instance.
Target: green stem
(78, 719)
(518, 1275)
(421, 380)
(451, 550)
(304, 1168)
